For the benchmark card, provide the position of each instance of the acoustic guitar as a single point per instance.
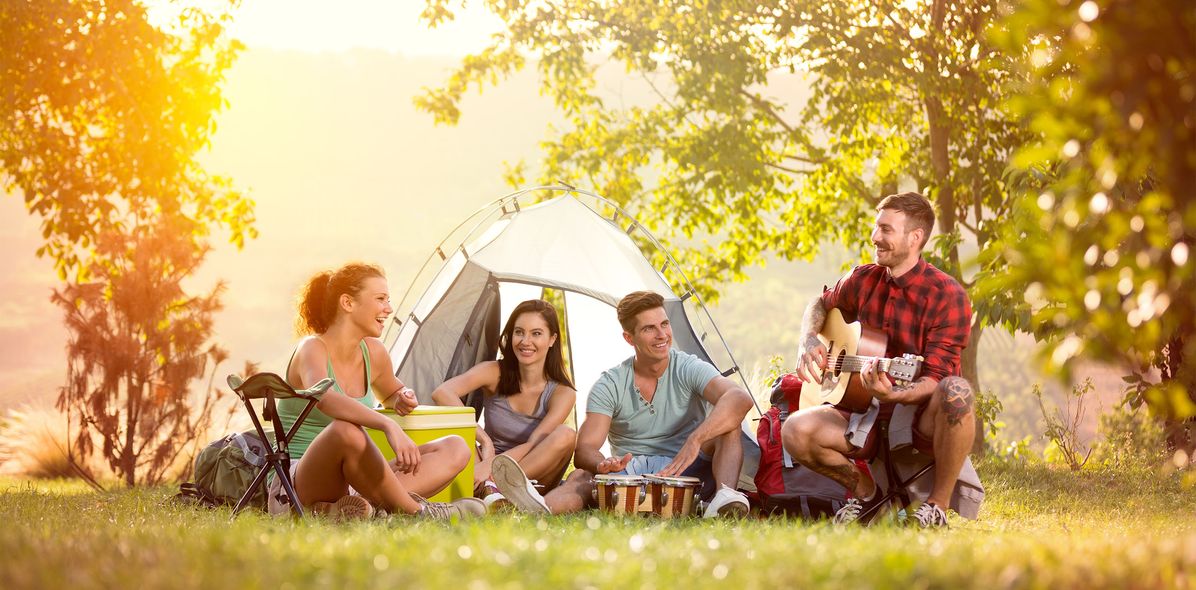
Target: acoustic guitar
(850, 347)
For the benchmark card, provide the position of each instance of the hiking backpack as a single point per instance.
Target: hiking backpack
(785, 486)
(225, 468)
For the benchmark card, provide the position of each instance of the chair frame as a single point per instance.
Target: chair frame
(271, 388)
(895, 487)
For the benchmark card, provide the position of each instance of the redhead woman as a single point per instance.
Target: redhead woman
(337, 469)
(526, 398)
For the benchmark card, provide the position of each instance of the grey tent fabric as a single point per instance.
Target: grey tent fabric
(426, 362)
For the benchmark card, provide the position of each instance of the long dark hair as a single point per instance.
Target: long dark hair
(317, 305)
(508, 365)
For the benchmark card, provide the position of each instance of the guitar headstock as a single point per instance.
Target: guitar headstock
(906, 367)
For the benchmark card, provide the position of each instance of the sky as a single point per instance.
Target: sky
(394, 25)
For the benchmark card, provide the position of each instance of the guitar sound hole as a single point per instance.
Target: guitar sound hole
(837, 366)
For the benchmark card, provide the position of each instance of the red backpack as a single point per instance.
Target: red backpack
(785, 486)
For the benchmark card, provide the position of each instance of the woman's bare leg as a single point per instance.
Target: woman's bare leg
(342, 456)
(440, 461)
(548, 459)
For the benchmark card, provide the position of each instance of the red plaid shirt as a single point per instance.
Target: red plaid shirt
(924, 311)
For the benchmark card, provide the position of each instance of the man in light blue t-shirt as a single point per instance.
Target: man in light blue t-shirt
(653, 408)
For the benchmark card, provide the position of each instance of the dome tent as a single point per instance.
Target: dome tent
(559, 238)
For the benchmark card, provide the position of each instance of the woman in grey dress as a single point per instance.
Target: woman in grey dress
(527, 397)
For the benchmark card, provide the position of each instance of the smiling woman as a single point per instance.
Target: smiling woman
(337, 469)
(527, 395)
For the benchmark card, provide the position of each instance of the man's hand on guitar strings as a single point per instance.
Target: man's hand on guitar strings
(811, 360)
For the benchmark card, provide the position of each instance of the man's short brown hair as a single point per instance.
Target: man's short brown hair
(635, 302)
(917, 210)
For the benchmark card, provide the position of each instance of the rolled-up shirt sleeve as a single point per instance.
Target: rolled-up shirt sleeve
(948, 337)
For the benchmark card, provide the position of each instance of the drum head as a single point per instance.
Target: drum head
(618, 479)
(679, 480)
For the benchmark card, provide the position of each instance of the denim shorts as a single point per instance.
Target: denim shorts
(701, 468)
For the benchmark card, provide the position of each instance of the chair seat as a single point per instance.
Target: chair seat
(261, 385)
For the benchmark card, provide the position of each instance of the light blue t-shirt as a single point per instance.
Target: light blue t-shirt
(661, 427)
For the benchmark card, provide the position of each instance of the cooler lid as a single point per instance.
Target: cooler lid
(434, 417)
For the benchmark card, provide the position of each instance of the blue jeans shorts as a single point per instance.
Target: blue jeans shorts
(701, 468)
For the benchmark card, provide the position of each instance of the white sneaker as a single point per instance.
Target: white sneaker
(727, 503)
(496, 502)
(515, 487)
(459, 509)
(930, 516)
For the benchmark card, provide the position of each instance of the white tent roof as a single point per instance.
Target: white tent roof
(563, 244)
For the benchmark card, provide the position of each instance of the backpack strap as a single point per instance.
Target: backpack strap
(193, 494)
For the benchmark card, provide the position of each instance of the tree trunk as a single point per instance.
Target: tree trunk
(972, 374)
(940, 164)
(128, 459)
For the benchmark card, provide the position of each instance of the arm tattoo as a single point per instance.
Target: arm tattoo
(957, 399)
(846, 474)
(812, 322)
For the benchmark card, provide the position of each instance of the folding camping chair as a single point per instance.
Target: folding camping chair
(895, 488)
(271, 388)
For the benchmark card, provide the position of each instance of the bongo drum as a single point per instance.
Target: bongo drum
(672, 497)
(621, 494)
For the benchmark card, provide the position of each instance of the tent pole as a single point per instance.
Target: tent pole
(572, 366)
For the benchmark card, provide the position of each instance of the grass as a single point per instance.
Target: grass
(1039, 528)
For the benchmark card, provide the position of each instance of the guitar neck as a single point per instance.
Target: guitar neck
(855, 364)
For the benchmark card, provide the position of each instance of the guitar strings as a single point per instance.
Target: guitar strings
(858, 362)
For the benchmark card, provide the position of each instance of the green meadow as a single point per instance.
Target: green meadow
(1040, 527)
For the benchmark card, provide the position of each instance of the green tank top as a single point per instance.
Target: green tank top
(289, 410)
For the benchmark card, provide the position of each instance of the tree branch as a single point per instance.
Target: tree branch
(787, 169)
(806, 159)
(684, 114)
(766, 107)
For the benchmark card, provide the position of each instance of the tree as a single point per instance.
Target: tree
(902, 93)
(1102, 243)
(137, 341)
(103, 114)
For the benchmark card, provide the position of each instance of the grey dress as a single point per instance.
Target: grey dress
(508, 428)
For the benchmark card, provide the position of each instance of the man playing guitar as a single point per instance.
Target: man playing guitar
(921, 310)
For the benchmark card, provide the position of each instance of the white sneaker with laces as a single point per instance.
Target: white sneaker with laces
(496, 502)
(849, 513)
(459, 509)
(930, 516)
(515, 487)
(727, 503)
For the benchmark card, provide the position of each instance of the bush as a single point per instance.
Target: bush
(1130, 439)
(1062, 427)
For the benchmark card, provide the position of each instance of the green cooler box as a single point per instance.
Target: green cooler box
(427, 423)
